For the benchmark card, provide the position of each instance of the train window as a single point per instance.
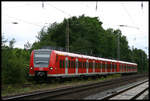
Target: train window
(73, 64)
(69, 64)
(60, 63)
(112, 66)
(103, 66)
(109, 66)
(63, 63)
(89, 64)
(120, 68)
(84, 65)
(79, 64)
(95, 65)
(99, 65)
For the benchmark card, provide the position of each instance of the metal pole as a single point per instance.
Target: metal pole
(118, 48)
(142, 64)
(67, 36)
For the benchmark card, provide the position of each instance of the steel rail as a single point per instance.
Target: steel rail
(69, 90)
(110, 96)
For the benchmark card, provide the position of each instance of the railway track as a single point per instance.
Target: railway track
(76, 92)
(129, 93)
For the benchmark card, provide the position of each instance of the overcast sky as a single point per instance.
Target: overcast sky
(32, 16)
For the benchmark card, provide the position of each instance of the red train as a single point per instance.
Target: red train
(52, 63)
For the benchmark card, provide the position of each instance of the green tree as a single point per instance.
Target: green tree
(11, 43)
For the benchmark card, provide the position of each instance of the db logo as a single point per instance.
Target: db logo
(41, 69)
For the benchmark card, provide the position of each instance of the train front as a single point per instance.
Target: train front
(39, 62)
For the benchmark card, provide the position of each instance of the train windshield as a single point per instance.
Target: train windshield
(41, 58)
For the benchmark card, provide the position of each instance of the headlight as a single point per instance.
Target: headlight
(31, 68)
(50, 68)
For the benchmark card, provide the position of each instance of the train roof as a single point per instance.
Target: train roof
(90, 57)
(85, 56)
(37, 50)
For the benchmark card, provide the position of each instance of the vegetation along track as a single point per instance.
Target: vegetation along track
(77, 92)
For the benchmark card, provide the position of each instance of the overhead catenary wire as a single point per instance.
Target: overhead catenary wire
(125, 9)
(64, 12)
(23, 20)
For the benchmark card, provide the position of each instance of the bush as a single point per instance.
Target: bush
(13, 68)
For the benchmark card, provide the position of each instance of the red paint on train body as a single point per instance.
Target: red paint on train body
(70, 64)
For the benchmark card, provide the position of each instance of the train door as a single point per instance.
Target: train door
(122, 68)
(84, 65)
(66, 65)
(90, 66)
(126, 68)
(113, 67)
(118, 68)
(109, 67)
(79, 65)
(60, 65)
(101, 65)
(97, 67)
(76, 66)
(72, 65)
(87, 66)
(69, 65)
(93, 66)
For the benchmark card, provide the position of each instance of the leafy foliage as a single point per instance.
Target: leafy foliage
(14, 64)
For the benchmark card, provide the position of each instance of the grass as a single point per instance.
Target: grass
(13, 89)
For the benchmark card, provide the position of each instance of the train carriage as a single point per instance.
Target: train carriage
(52, 63)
